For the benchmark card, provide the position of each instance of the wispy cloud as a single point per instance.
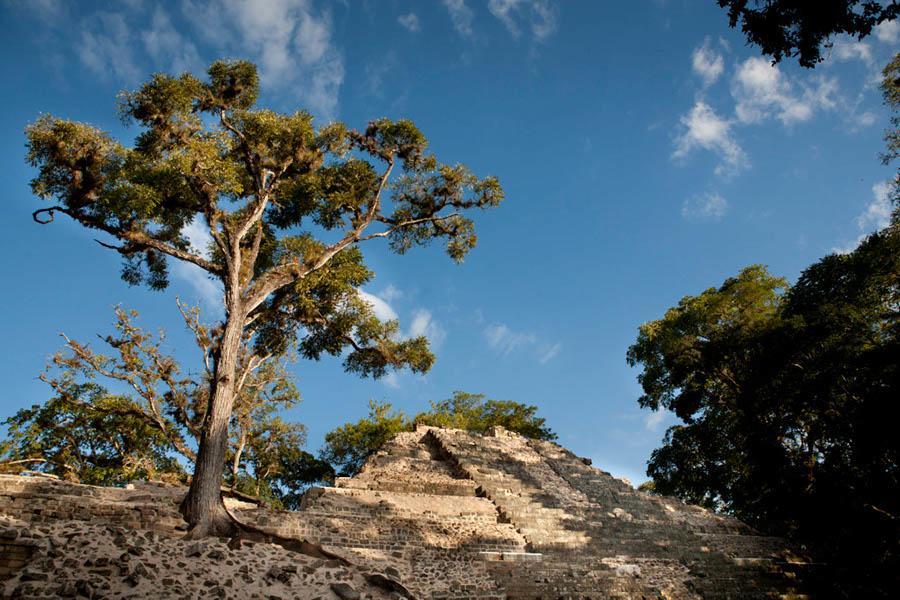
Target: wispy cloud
(423, 323)
(461, 16)
(702, 128)
(506, 341)
(539, 16)
(391, 293)
(878, 213)
(168, 47)
(704, 207)
(106, 48)
(654, 419)
(847, 50)
(548, 352)
(410, 22)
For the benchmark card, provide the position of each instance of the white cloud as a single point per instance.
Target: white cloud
(705, 207)
(888, 32)
(410, 22)
(541, 16)
(288, 39)
(847, 50)
(702, 128)
(461, 16)
(761, 91)
(392, 380)
(654, 419)
(877, 215)
(197, 234)
(423, 323)
(169, 48)
(208, 290)
(707, 63)
(382, 309)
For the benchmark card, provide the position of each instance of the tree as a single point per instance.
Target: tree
(801, 28)
(473, 413)
(347, 447)
(890, 91)
(287, 206)
(87, 434)
(787, 401)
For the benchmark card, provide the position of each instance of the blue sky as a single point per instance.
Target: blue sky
(645, 150)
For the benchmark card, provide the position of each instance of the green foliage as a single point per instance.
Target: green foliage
(473, 413)
(890, 90)
(204, 145)
(348, 446)
(789, 28)
(86, 434)
(787, 400)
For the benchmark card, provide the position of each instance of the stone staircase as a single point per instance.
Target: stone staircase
(599, 537)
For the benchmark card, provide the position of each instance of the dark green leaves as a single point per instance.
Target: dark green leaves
(788, 402)
(788, 28)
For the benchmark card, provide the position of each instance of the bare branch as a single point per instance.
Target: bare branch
(139, 241)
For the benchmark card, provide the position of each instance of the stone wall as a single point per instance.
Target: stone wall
(451, 514)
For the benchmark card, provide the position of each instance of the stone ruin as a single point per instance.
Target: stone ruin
(436, 513)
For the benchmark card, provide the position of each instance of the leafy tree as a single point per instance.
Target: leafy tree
(348, 446)
(287, 206)
(787, 401)
(801, 28)
(88, 435)
(472, 412)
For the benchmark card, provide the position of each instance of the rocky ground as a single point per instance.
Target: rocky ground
(83, 560)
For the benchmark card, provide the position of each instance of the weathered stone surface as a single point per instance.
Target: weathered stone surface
(436, 513)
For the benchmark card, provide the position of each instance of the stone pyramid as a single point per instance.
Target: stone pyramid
(436, 513)
(499, 515)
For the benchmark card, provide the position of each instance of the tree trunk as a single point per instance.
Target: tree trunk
(203, 507)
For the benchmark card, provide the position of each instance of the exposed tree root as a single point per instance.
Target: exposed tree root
(227, 525)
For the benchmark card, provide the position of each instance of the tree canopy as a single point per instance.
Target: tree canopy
(347, 447)
(800, 28)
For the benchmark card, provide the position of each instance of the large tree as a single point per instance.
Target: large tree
(286, 205)
(802, 28)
